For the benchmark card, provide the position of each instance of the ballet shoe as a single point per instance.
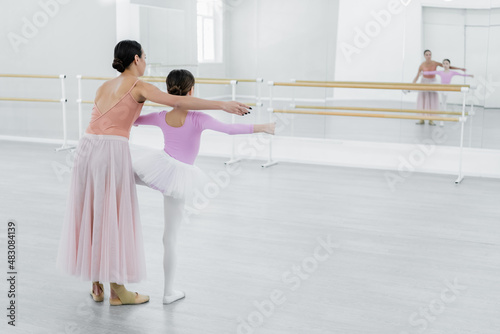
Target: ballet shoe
(126, 297)
(421, 122)
(432, 123)
(172, 297)
(99, 297)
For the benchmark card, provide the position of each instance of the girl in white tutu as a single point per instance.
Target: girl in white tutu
(171, 170)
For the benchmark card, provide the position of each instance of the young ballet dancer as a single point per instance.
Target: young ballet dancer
(446, 76)
(101, 239)
(171, 171)
(427, 100)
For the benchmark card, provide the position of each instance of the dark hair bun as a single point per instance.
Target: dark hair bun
(124, 55)
(118, 65)
(175, 90)
(179, 82)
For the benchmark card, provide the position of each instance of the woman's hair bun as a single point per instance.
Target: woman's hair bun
(118, 65)
(124, 55)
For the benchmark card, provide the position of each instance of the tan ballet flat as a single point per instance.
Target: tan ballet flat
(126, 297)
(100, 297)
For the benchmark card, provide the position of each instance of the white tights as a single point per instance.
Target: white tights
(172, 214)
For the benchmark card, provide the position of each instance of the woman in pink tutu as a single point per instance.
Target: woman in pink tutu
(101, 238)
(171, 170)
(427, 100)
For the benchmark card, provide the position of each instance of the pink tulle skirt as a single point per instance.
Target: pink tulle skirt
(428, 100)
(101, 235)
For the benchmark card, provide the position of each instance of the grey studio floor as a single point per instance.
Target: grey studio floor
(421, 259)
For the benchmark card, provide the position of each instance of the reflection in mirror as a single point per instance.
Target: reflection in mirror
(461, 36)
(491, 84)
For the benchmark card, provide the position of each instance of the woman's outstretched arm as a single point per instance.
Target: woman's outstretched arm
(154, 94)
(418, 74)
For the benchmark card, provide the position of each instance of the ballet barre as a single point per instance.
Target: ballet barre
(258, 103)
(63, 100)
(33, 76)
(471, 113)
(412, 111)
(353, 114)
(464, 89)
(27, 99)
(376, 85)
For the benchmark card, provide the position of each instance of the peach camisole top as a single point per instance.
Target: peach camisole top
(118, 120)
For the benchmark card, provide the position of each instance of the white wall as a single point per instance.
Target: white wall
(282, 39)
(73, 37)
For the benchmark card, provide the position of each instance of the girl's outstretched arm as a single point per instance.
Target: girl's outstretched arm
(149, 119)
(267, 128)
(210, 123)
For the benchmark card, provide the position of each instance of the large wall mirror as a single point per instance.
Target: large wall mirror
(335, 41)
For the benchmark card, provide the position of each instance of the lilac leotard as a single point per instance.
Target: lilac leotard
(445, 76)
(183, 143)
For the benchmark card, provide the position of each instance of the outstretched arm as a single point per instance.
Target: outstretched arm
(418, 74)
(463, 75)
(267, 128)
(149, 119)
(457, 68)
(153, 94)
(208, 122)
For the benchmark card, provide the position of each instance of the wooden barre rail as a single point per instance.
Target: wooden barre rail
(239, 80)
(29, 76)
(84, 77)
(363, 82)
(377, 85)
(213, 81)
(314, 112)
(411, 111)
(162, 79)
(28, 100)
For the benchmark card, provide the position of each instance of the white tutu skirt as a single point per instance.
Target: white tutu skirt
(171, 177)
(101, 234)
